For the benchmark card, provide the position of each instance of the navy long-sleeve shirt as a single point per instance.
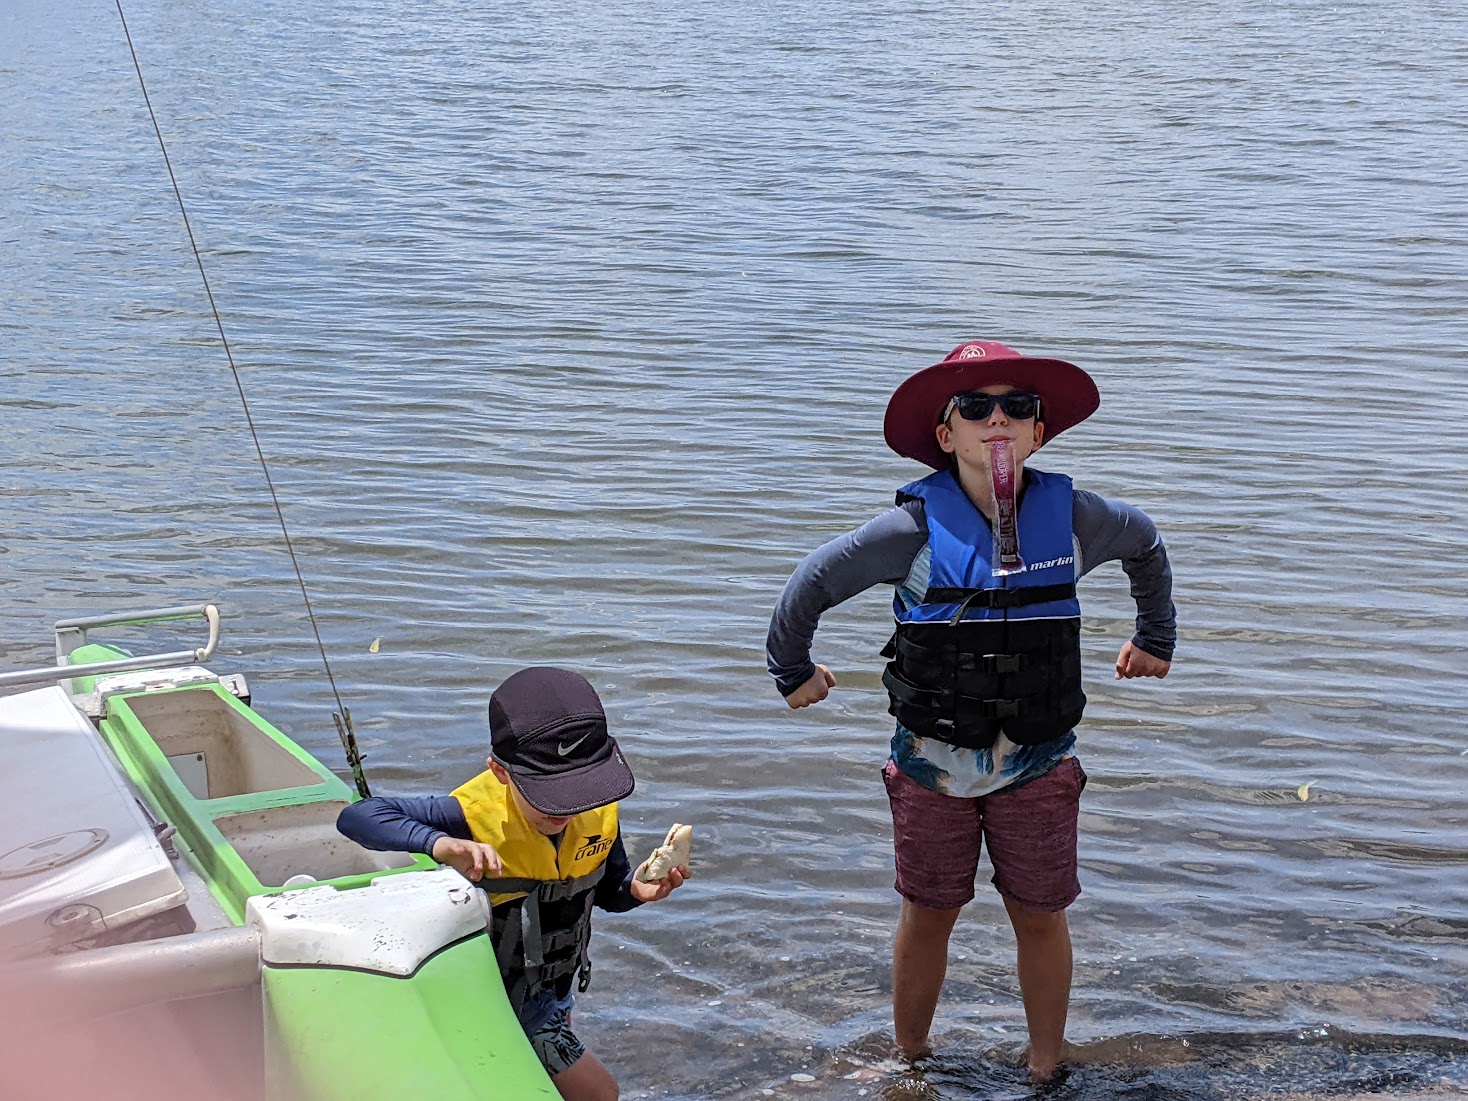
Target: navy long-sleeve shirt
(414, 823)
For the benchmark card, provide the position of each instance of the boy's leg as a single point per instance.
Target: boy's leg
(936, 842)
(1044, 965)
(919, 963)
(587, 1079)
(1031, 834)
(577, 1074)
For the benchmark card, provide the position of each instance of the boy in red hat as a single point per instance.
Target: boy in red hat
(539, 831)
(985, 671)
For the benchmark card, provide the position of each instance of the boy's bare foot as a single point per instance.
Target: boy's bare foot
(915, 1054)
(1054, 1076)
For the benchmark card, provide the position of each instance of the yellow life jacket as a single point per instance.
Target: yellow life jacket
(542, 900)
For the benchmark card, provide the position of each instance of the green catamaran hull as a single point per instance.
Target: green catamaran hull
(455, 1037)
(372, 973)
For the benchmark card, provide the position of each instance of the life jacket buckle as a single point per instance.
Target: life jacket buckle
(1002, 709)
(1003, 663)
(1007, 598)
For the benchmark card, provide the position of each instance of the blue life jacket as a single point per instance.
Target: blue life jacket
(982, 654)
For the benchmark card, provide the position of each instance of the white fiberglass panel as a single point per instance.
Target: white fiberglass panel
(78, 856)
(390, 926)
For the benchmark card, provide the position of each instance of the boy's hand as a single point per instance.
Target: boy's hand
(1133, 661)
(659, 888)
(472, 858)
(814, 690)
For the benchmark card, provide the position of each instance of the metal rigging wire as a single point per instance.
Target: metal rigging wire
(342, 717)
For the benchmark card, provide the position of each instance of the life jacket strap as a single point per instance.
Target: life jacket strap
(557, 890)
(534, 946)
(508, 932)
(547, 890)
(967, 660)
(950, 703)
(583, 978)
(554, 942)
(997, 709)
(999, 598)
(523, 949)
(990, 663)
(551, 972)
(509, 886)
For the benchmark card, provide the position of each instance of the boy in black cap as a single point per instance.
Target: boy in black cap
(542, 823)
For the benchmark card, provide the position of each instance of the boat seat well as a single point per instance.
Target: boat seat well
(255, 811)
(280, 843)
(215, 748)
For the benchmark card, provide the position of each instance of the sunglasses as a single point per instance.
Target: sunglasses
(979, 407)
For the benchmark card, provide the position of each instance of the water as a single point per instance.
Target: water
(568, 329)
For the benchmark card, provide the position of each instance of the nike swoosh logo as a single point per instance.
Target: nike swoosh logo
(563, 748)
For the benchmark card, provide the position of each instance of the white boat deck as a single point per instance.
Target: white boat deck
(78, 854)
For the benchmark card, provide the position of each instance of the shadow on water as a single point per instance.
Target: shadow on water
(1312, 1064)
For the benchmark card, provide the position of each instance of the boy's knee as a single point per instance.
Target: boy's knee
(603, 1089)
(587, 1079)
(927, 918)
(588, 1091)
(1030, 922)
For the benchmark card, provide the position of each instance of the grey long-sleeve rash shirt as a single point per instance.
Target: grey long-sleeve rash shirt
(882, 551)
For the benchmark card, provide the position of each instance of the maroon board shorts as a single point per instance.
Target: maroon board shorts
(1030, 832)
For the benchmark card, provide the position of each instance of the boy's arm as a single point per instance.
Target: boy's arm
(880, 551)
(1107, 530)
(614, 892)
(412, 824)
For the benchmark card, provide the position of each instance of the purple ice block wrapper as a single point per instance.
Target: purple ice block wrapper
(1005, 559)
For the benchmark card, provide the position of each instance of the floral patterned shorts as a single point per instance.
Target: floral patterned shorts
(555, 1044)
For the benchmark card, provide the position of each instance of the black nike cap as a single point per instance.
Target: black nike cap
(547, 727)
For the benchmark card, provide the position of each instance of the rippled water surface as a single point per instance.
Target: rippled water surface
(568, 328)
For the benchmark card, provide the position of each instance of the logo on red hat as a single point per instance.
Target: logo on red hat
(972, 351)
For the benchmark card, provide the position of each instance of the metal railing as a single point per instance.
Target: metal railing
(71, 633)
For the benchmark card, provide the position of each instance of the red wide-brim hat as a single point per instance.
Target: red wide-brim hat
(1067, 395)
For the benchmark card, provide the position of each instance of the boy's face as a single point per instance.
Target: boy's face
(548, 824)
(968, 440)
